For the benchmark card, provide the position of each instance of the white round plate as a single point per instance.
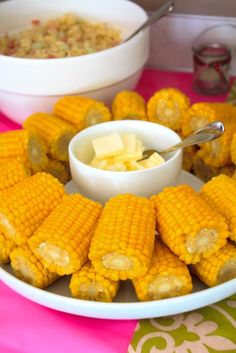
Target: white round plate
(125, 305)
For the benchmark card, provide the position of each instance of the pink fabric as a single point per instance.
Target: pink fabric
(26, 327)
(153, 80)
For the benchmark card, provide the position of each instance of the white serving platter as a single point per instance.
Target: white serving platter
(126, 305)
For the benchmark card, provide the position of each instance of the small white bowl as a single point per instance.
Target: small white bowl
(31, 85)
(101, 185)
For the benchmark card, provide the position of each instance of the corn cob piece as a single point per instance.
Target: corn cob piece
(55, 132)
(87, 284)
(128, 105)
(81, 112)
(124, 238)
(188, 225)
(206, 172)
(166, 277)
(6, 246)
(12, 172)
(219, 267)
(23, 207)
(215, 153)
(167, 107)
(198, 115)
(220, 193)
(62, 241)
(188, 157)
(233, 149)
(21, 144)
(28, 268)
(59, 170)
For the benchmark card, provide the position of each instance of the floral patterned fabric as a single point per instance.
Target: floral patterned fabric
(211, 329)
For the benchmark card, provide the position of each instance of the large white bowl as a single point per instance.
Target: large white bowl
(101, 185)
(31, 85)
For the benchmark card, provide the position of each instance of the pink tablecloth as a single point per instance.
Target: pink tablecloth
(26, 327)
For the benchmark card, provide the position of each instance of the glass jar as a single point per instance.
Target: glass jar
(211, 68)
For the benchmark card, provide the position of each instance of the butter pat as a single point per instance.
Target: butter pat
(108, 146)
(133, 149)
(154, 160)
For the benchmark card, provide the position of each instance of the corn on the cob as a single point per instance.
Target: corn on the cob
(206, 172)
(6, 246)
(124, 238)
(28, 268)
(198, 115)
(188, 157)
(24, 206)
(220, 193)
(188, 225)
(215, 153)
(12, 172)
(166, 277)
(81, 112)
(87, 284)
(55, 132)
(128, 105)
(62, 241)
(59, 170)
(25, 146)
(168, 107)
(233, 149)
(219, 267)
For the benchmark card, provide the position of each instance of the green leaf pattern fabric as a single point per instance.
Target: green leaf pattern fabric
(211, 329)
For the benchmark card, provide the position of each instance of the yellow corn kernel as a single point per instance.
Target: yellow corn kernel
(29, 269)
(220, 193)
(188, 225)
(128, 105)
(6, 246)
(12, 172)
(233, 149)
(62, 241)
(218, 268)
(166, 277)
(124, 238)
(168, 107)
(21, 144)
(55, 132)
(87, 284)
(81, 112)
(24, 206)
(59, 170)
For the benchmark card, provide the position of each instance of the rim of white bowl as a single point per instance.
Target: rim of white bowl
(72, 58)
(102, 171)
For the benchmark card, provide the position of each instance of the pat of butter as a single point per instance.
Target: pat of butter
(108, 146)
(154, 160)
(133, 149)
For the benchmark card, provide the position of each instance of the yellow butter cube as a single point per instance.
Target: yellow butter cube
(108, 146)
(133, 165)
(154, 160)
(133, 149)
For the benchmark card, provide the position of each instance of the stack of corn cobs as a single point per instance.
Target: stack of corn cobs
(157, 243)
